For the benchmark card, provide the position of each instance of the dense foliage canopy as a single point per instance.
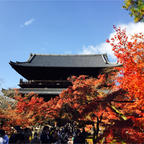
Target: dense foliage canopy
(136, 9)
(112, 102)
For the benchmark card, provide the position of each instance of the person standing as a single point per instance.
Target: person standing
(36, 139)
(3, 137)
(45, 139)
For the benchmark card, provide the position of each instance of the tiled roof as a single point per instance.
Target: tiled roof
(36, 60)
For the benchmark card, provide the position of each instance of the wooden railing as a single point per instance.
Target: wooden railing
(44, 83)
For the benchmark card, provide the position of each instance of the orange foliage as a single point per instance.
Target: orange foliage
(129, 51)
(29, 110)
(115, 104)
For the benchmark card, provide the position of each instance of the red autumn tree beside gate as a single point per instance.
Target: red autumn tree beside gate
(130, 52)
(121, 112)
(28, 111)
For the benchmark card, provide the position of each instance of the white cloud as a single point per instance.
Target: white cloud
(104, 47)
(28, 22)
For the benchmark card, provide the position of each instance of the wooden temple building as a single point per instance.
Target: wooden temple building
(47, 75)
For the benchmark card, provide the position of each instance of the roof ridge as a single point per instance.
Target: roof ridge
(68, 54)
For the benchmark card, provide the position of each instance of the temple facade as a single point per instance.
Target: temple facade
(47, 75)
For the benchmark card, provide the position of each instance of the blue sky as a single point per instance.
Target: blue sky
(53, 27)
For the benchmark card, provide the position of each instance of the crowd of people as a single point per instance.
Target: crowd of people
(68, 134)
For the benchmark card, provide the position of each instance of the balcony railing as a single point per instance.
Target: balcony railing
(44, 83)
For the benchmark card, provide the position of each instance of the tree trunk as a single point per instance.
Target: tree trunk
(96, 130)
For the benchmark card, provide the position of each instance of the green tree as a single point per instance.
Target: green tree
(136, 9)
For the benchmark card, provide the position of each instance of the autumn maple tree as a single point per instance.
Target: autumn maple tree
(130, 52)
(115, 101)
(28, 111)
